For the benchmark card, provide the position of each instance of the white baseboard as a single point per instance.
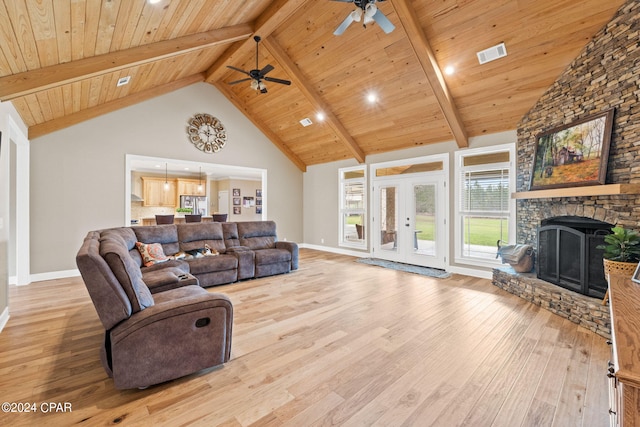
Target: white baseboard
(54, 275)
(473, 272)
(4, 318)
(339, 251)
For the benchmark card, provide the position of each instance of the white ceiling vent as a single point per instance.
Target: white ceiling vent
(306, 122)
(493, 53)
(123, 81)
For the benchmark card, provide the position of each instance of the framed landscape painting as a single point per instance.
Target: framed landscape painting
(573, 155)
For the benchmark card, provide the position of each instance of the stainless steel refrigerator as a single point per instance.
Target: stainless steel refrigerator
(198, 204)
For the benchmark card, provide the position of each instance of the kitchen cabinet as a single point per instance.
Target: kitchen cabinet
(190, 187)
(155, 194)
(624, 367)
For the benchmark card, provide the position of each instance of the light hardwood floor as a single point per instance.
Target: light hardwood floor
(334, 343)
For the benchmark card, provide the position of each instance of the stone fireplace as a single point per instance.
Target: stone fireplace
(605, 75)
(585, 310)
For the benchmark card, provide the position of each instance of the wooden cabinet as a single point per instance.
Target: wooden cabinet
(154, 192)
(191, 187)
(624, 369)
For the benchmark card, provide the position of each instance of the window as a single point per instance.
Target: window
(485, 212)
(353, 207)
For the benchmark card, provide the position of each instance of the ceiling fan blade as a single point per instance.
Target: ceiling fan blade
(383, 21)
(238, 69)
(266, 69)
(282, 82)
(345, 24)
(239, 81)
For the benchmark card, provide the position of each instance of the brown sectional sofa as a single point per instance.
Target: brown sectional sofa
(246, 250)
(160, 324)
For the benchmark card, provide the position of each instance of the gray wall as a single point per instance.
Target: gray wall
(321, 187)
(78, 173)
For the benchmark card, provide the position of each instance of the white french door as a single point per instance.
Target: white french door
(408, 214)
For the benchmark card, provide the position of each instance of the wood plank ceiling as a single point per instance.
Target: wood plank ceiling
(60, 61)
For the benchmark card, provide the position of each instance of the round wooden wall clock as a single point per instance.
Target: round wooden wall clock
(207, 133)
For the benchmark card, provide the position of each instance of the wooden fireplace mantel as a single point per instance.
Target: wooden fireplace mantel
(592, 190)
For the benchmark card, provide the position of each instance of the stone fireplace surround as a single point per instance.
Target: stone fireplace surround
(581, 309)
(605, 75)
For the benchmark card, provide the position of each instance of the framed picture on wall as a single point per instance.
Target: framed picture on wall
(248, 202)
(259, 192)
(236, 201)
(258, 202)
(236, 192)
(258, 209)
(237, 210)
(573, 155)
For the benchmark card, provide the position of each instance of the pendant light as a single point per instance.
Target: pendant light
(166, 181)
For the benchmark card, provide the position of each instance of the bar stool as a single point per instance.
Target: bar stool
(219, 217)
(193, 218)
(164, 219)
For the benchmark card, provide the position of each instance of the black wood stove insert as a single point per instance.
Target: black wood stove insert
(567, 254)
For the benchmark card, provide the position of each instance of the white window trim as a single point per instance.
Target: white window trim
(458, 240)
(341, 207)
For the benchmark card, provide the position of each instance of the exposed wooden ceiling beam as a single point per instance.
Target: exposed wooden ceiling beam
(423, 51)
(273, 137)
(75, 118)
(314, 98)
(278, 12)
(29, 82)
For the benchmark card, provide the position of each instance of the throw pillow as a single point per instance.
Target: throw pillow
(152, 253)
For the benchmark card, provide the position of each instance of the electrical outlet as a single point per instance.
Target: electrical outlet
(322, 240)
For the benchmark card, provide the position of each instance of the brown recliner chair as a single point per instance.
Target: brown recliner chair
(149, 338)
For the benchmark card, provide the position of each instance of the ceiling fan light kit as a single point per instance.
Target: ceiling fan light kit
(257, 75)
(371, 14)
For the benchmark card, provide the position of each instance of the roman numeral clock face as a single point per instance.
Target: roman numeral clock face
(207, 133)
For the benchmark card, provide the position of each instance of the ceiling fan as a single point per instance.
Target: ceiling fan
(256, 76)
(371, 14)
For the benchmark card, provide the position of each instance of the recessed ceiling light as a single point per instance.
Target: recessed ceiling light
(154, 1)
(320, 116)
(123, 81)
(449, 70)
(306, 122)
(372, 97)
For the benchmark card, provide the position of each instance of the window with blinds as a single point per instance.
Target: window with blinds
(353, 207)
(485, 212)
